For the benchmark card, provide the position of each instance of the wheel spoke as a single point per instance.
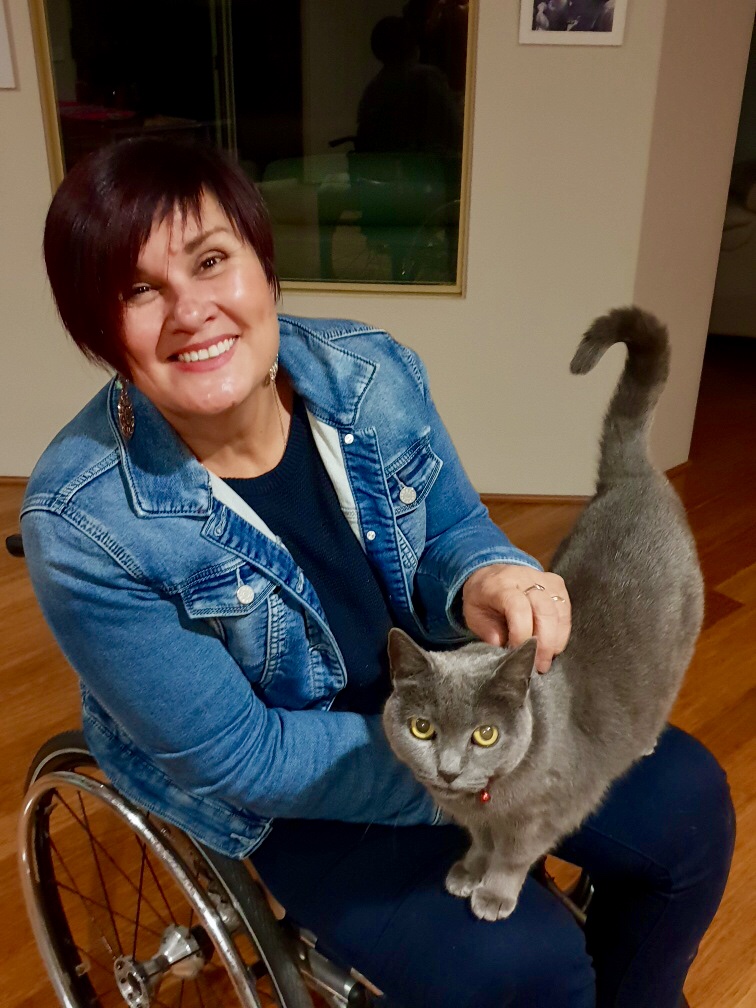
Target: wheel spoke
(143, 848)
(156, 880)
(124, 875)
(101, 906)
(107, 970)
(99, 872)
(75, 890)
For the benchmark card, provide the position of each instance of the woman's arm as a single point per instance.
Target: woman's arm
(179, 695)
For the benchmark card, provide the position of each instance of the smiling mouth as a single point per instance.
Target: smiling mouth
(214, 350)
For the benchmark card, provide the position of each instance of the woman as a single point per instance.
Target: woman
(220, 541)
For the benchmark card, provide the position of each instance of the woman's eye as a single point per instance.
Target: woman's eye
(485, 735)
(422, 729)
(210, 261)
(136, 291)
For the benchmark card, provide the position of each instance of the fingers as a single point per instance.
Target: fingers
(548, 631)
(509, 605)
(551, 618)
(518, 615)
(500, 615)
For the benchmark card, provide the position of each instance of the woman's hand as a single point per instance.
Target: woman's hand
(507, 604)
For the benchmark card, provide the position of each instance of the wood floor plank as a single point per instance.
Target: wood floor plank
(741, 586)
(723, 973)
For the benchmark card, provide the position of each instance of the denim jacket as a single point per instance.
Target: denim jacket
(206, 664)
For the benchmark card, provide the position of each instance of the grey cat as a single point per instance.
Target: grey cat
(519, 759)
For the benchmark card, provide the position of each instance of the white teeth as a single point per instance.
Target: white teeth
(212, 351)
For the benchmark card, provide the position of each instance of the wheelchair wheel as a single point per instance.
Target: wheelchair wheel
(127, 910)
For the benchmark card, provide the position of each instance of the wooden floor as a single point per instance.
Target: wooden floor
(717, 704)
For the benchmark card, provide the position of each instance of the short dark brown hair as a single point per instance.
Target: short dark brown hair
(102, 215)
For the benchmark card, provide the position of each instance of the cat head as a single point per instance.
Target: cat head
(459, 718)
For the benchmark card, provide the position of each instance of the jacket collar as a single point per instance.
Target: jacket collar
(331, 380)
(162, 475)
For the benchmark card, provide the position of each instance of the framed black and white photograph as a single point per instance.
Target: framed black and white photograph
(572, 22)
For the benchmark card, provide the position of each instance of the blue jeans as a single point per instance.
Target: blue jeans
(658, 851)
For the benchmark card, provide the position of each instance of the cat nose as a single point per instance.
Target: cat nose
(448, 777)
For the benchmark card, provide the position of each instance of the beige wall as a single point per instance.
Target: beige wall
(699, 89)
(43, 381)
(598, 176)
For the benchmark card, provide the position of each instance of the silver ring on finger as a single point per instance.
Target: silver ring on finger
(534, 587)
(557, 598)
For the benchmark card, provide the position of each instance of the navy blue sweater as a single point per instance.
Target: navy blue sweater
(297, 501)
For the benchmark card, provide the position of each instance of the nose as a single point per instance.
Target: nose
(448, 776)
(191, 309)
(449, 770)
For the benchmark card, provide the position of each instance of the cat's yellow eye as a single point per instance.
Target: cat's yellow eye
(486, 735)
(421, 728)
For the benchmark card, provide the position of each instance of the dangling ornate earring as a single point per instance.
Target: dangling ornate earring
(125, 409)
(272, 372)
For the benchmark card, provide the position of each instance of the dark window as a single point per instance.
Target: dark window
(349, 116)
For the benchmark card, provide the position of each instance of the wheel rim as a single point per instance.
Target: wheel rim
(122, 914)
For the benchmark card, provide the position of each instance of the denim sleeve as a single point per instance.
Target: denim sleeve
(460, 535)
(178, 694)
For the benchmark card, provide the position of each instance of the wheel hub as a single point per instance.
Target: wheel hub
(182, 951)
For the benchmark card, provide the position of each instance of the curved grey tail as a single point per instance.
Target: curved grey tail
(624, 441)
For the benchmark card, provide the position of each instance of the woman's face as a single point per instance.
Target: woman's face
(199, 325)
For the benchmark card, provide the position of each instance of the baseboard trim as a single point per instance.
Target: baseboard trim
(678, 469)
(496, 498)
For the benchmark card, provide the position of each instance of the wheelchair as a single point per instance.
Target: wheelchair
(127, 909)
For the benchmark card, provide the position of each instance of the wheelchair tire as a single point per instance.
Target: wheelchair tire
(128, 910)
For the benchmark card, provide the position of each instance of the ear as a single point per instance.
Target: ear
(513, 673)
(406, 658)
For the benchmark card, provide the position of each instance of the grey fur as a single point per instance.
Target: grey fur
(631, 569)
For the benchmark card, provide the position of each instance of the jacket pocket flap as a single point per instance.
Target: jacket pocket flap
(411, 476)
(234, 592)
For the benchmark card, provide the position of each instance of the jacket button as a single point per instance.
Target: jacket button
(370, 535)
(408, 495)
(245, 594)
(348, 438)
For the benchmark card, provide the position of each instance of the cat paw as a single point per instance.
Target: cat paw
(459, 881)
(490, 905)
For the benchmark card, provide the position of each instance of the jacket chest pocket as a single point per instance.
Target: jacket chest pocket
(240, 606)
(410, 478)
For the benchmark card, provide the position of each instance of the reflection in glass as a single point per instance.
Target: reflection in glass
(348, 116)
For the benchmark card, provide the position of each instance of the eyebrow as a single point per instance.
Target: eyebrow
(195, 243)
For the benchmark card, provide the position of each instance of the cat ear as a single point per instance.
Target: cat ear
(514, 671)
(406, 658)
